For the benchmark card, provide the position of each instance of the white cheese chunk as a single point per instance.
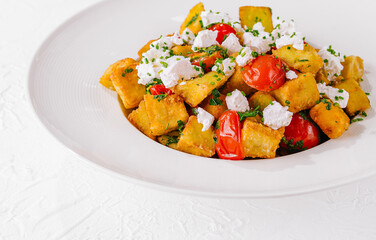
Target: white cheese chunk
(188, 36)
(332, 62)
(336, 95)
(245, 55)
(237, 101)
(210, 17)
(232, 44)
(205, 38)
(296, 40)
(276, 116)
(150, 66)
(283, 27)
(227, 66)
(205, 118)
(177, 68)
(291, 75)
(257, 39)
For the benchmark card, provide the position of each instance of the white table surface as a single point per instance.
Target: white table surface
(46, 192)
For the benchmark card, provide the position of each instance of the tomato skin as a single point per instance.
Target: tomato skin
(265, 73)
(301, 129)
(160, 89)
(208, 61)
(229, 144)
(222, 29)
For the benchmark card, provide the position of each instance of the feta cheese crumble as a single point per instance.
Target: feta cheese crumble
(205, 38)
(283, 27)
(210, 17)
(332, 62)
(276, 116)
(245, 55)
(205, 118)
(296, 40)
(177, 68)
(257, 39)
(232, 44)
(336, 95)
(227, 66)
(291, 75)
(237, 101)
(188, 36)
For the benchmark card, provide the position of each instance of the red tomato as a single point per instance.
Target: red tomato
(207, 61)
(301, 129)
(159, 89)
(265, 73)
(222, 29)
(229, 144)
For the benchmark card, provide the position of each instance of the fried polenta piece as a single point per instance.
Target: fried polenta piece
(353, 68)
(170, 139)
(139, 118)
(192, 21)
(125, 80)
(358, 100)
(182, 50)
(321, 78)
(332, 120)
(106, 77)
(299, 94)
(261, 99)
(236, 82)
(306, 60)
(194, 141)
(145, 48)
(260, 141)
(165, 114)
(250, 15)
(196, 90)
(215, 110)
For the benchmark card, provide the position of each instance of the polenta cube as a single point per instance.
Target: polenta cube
(250, 15)
(299, 94)
(236, 82)
(125, 81)
(321, 77)
(182, 50)
(139, 118)
(196, 90)
(260, 141)
(192, 21)
(170, 139)
(164, 114)
(358, 100)
(332, 120)
(106, 77)
(195, 141)
(306, 60)
(260, 99)
(353, 68)
(210, 107)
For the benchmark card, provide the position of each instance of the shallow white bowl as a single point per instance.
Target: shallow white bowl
(84, 116)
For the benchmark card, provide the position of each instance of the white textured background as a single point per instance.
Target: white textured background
(48, 193)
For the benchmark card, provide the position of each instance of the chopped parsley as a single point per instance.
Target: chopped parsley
(250, 113)
(181, 125)
(215, 100)
(127, 70)
(193, 19)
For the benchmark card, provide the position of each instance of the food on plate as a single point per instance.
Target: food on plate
(239, 88)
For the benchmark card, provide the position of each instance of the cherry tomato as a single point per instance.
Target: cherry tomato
(229, 144)
(265, 73)
(222, 29)
(159, 89)
(207, 61)
(300, 129)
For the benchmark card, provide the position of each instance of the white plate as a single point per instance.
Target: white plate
(86, 118)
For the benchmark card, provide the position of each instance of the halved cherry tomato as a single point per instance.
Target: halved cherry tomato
(229, 144)
(223, 29)
(160, 89)
(265, 73)
(301, 129)
(207, 61)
